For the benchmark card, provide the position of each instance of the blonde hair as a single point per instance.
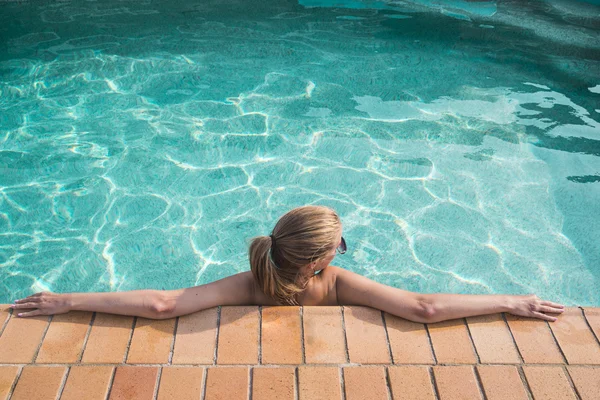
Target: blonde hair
(301, 236)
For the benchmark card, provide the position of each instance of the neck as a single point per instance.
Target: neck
(304, 279)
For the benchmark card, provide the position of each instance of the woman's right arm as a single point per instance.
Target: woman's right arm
(155, 304)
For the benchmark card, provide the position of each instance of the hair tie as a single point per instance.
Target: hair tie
(272, 240)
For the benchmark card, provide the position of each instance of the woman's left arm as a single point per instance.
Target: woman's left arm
(451, 306)
(354, 289)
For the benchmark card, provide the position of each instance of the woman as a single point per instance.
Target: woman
(284, 270)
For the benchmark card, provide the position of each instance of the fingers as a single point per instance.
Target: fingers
(551, 304)
(546, 309)
(28, 299)
(34, 300)
(24, 305)
(543, 316)
(31, 313)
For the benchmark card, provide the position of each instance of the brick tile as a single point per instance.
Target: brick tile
(227, 383)
(273, 383)
(586, 381)
(151, 341)
(548, 383)
(108, 339)
(281, 335)
(451, 342)
(534, 340)
(456, 383)
(502, 382)
(134, 383)
(63, 342)
(367, 342)
(319, 383)
(196, 338)
(492, 340)
(7, 378)
(21, 338)
(593, 317)
(408, 340)
(180, 383)
(4, 315)
(238, 336)
(411, 383)
(365, 383)
(39, 383)
(324, 340)
(575, 338)
(87, 382)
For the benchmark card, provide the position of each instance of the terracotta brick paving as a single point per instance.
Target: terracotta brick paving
(304, 353)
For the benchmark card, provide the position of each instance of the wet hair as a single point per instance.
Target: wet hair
(302, 236)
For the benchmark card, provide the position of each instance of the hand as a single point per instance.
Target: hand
(45, 303)
(534, 307)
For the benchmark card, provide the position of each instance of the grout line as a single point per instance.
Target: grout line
(133, 324)
(387, 339)
(436, 388)
(42, 340)
(157, 383)
(527, 385)
(524, 381)
(433, 384)
(345, 335)
(513, 338)
(333, 364)
(472, 341)
(8, 318)
(172, 350)
(110, 382)
(296, 384)
(63, 383)
(204, 379)
(557, 344)
(260, 309)
(85, 339)
(479, 382)
(568, 376)
(250, 382)
(388, 384)
(589, 326)
(431, 344)
(342, 383)
(302, 334)
(14, 384)
(217, 331)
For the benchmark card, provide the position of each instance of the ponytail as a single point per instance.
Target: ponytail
(274, 282)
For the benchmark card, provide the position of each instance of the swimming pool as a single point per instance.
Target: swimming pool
(142, 144)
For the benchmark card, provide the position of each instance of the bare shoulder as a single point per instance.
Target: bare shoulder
(354, 289)
(321, 289)
(258, 297)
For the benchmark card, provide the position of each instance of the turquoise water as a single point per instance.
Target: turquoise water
(143, 143)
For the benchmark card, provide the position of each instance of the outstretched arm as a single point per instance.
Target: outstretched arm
(354, 289)
(156, 304)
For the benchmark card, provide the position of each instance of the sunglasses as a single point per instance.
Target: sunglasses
(342, 247)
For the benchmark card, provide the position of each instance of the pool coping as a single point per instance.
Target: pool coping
(255, 352)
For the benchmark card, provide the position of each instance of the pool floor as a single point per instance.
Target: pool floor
(298, 353)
